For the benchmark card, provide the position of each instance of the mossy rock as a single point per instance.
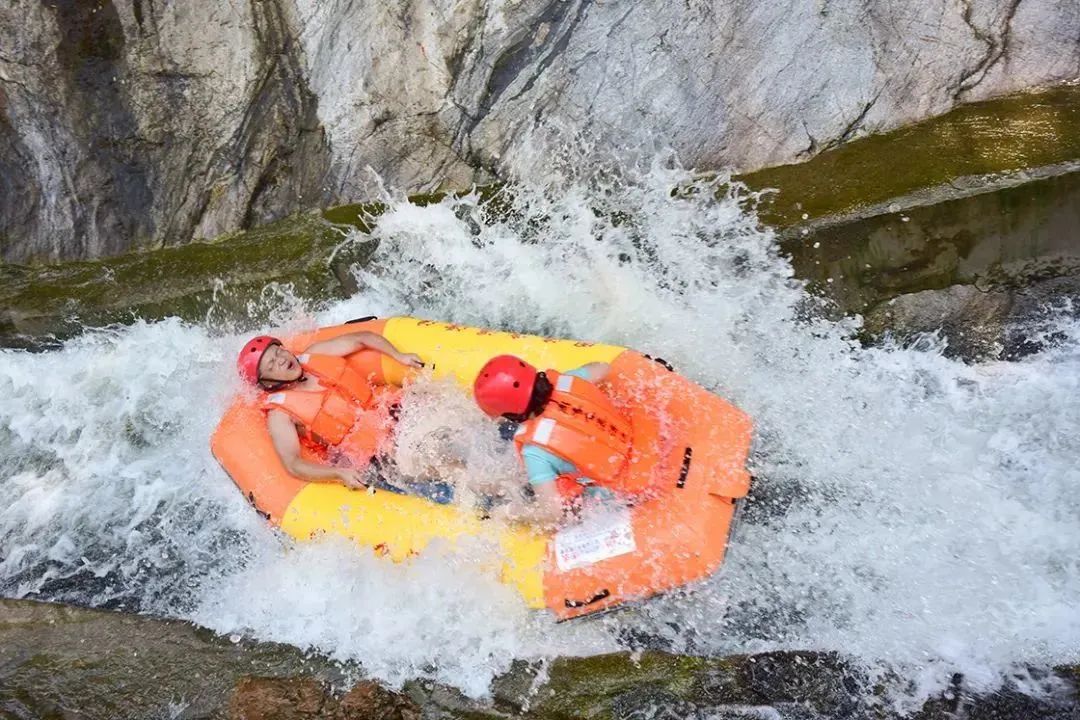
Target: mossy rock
(590, 687)
(184, 281)
(988, 138)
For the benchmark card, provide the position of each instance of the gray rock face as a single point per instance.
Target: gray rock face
(134, 124)
(130, 123)
(977, 325)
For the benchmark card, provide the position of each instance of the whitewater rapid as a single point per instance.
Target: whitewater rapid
(909, 510)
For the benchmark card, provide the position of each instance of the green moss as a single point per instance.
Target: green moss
(358, 215)
(362, 215)
(587, 687)
(183, 281)
(997, 136)
(189, 281)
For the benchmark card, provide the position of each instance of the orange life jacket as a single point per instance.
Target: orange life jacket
(346, 413)
(581, 425)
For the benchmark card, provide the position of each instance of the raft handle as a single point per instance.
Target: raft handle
(684, 471)
(661, 362)
(595, 598)
(366, 318)
(264, 515)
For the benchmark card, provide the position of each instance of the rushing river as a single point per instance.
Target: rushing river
(909, 510)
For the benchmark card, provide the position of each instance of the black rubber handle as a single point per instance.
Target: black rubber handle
(595, 598)
(684, 471)
(661, 362)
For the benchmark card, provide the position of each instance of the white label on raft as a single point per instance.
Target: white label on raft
(597, 538)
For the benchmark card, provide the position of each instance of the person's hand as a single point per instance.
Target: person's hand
(351, 478)
(410, 359)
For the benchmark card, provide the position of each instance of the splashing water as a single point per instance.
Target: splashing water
(908, 510)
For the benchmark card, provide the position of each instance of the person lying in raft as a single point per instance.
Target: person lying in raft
(570, 436)
(318, 397)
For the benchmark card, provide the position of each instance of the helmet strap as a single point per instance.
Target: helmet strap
(541, 394)
(274, 387)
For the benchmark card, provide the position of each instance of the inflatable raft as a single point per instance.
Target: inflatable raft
(690, 445)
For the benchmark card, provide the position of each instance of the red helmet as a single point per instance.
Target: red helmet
(248, 361)
(504, 386)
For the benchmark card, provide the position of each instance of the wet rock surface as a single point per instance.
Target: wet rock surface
(64, 662)
(976, 325)
(1002, 239)
(990, 274)
(61, 661)
(263, 698)
(215, 282)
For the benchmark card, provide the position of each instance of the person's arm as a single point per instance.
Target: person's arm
(594, 372)
(547, 507)
(287, 444)
(544, 511)
(353, 342)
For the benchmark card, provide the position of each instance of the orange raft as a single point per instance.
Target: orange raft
(689, 445)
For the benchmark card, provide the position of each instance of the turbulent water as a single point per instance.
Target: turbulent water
(909, 510)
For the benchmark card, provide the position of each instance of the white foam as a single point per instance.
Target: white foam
(913, 511)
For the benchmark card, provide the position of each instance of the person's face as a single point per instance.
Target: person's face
(279, 365)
